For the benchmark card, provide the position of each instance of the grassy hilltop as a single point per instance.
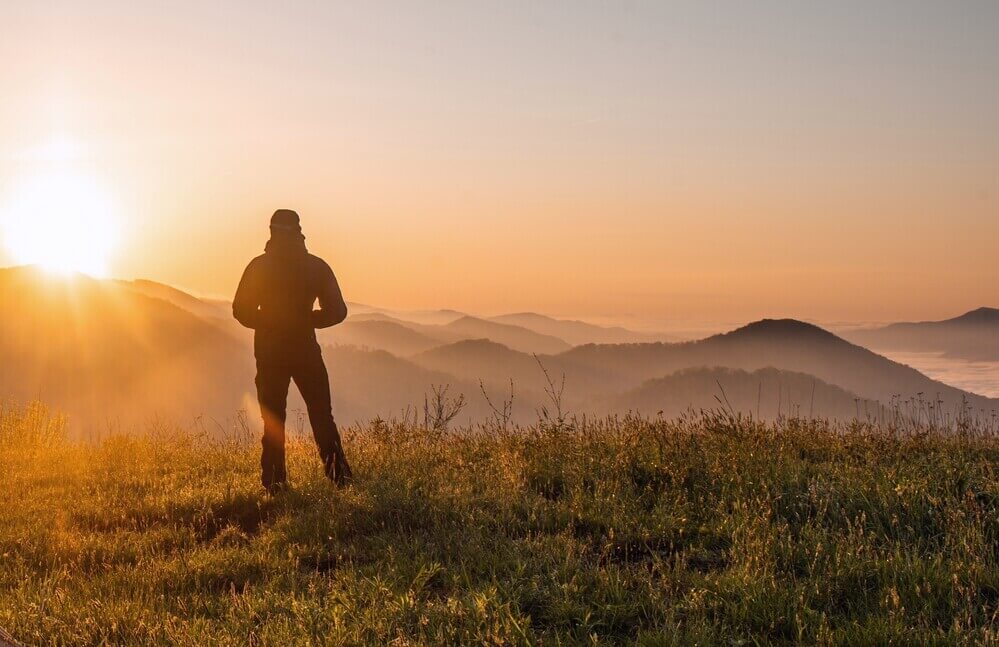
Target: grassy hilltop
(699, 531)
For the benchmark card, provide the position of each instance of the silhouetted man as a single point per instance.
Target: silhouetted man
(276, 297)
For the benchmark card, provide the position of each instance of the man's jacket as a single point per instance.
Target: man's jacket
(276, 297)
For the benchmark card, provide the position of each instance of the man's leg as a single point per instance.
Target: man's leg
(272, 394)
(313, 382)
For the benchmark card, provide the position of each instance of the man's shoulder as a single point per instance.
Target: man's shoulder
(319, 264)
(256, 262)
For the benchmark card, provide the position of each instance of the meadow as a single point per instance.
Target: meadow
(708, 529)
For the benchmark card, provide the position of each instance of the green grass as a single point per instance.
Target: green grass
(702, 531)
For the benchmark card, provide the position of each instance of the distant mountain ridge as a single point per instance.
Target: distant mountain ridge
(360, 330)
(101, 350)
(202, 307)
(554, 334)
(126, 351)
(576, 332)
(377, 334)
(766, 393)
(981, 317)
(512, 336)
(786, 345)
(384, 337)
(972, 336)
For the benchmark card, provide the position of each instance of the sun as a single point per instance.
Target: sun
(62, 221)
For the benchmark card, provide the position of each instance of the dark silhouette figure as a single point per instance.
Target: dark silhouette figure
(275, 298)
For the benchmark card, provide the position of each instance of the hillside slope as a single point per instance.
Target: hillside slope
(515, 337)
(972, 336)
(205, 308)
(787, 345)
(497, 365)
(102, 352)
(766, 394)
(369, 384)
(107, 352)
(390, 336)
(575, 332)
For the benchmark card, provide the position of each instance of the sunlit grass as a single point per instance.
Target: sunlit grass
(704, 531)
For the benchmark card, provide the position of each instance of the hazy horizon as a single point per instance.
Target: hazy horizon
(629, 162)
(678, 328)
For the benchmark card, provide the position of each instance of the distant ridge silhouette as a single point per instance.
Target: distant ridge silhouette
(972, 336)
(785, 344)
(101, 351)
(377, 334)
(216, 309)
(107, 351)
(981, 316)
(516, 337)
(576, 332)
(766, 393)
(786, 329)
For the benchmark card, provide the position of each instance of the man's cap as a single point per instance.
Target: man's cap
(286, 219)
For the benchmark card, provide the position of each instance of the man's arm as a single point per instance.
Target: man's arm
(332, 308)
(246, 303)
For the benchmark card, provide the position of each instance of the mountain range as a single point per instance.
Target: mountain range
(971, 336)
(765, 393)
(527, 332)
(123, 352)
(102, 351)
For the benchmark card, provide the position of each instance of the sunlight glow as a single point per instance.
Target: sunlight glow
(61, 221)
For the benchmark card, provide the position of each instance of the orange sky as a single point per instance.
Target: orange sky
(658, 162)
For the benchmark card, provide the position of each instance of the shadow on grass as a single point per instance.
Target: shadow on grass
(207, 519)
(703, 552)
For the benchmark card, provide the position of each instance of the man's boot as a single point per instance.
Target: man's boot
(342, 474)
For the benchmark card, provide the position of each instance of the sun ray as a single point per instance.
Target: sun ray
(62, 221)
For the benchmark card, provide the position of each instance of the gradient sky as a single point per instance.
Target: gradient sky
(665, 161)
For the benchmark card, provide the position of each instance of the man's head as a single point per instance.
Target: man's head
(285, 220)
